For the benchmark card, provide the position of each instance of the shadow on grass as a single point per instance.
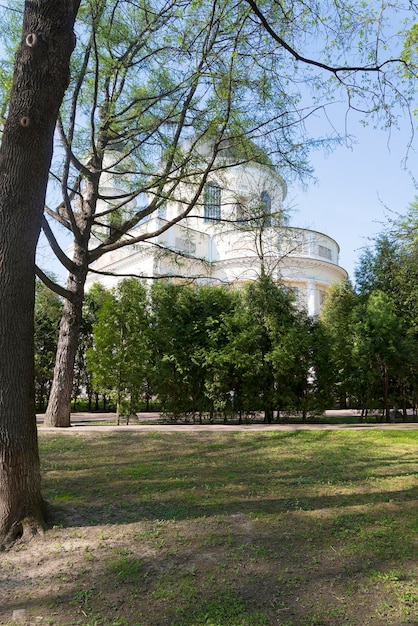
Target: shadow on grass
(238, 570)
(128, 478)
(229, 529)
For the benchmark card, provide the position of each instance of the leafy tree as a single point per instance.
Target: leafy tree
(231, 362)
(120, 356)
(271, 329)
(263, 350)
(391, 267)
(296, 363)
(405, 267)
(41, 74)
(82, 375)
(48, 310)
(217, 357)
(226, 360)
(405, 230)
(170, 353)
(181, 316)
(321, 372)
(227, 351)
(337, 323)
(380, 347)
(379, 267)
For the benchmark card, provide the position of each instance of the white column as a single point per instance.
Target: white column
(311, 298)
(312, 242)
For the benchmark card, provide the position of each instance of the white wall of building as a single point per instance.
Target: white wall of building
(227, 251)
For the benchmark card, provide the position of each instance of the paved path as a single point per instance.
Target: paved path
(105, 422)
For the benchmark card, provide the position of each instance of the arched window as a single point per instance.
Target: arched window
(266, 207)
(212, 202)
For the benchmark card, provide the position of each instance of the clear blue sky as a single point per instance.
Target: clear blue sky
(354, 187)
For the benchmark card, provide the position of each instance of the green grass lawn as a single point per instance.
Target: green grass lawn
(223, 529)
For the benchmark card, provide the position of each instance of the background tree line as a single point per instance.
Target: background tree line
(372, 328)
(195, 349)
(206, 350)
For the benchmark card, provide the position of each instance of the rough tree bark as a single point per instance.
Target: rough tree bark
(58, 413)
(41, 75)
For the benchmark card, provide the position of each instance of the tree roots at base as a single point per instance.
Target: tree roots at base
(22, 532)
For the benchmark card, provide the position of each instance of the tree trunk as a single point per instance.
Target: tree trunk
(40, 78)
(386, 408)
(58, 413)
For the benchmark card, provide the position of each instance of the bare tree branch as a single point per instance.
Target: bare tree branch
(56, 248)
(51, 284)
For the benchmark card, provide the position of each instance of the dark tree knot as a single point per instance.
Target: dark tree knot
(31, 40)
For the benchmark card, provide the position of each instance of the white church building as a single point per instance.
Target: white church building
(235, 231)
